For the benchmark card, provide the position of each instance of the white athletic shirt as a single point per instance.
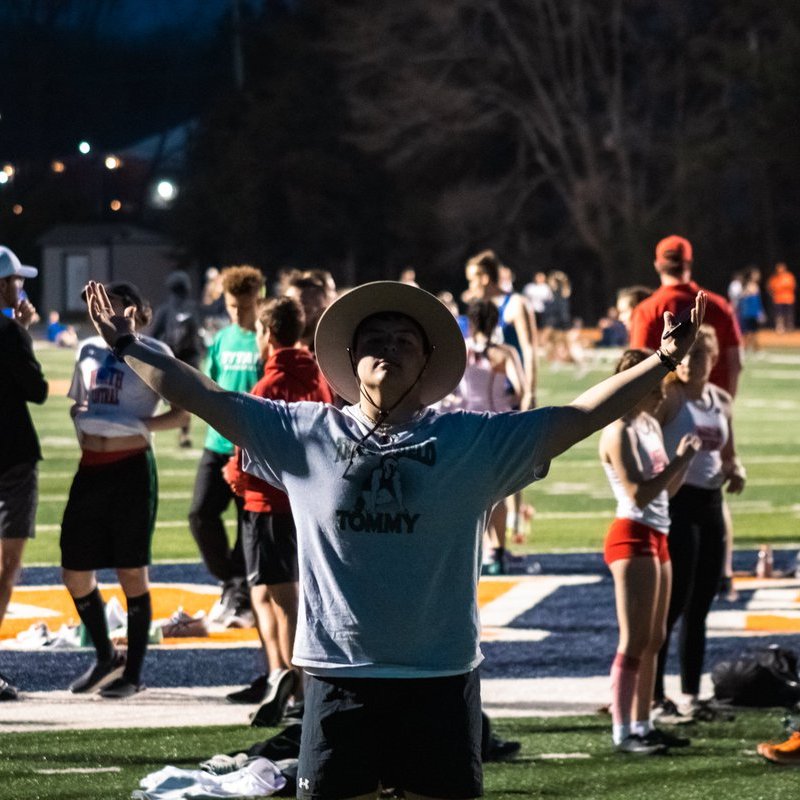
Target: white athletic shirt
(653, 457)
(706, 418)
(482, 388)
(117, 399)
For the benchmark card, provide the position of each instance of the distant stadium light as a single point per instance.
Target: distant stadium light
(166, 190)
(3, 178)
(57, 166)
(9, 170)
(112, 162)
(84, 147)
(115, 205)
(17, 209)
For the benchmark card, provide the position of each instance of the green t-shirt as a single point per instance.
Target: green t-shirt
(232, 361)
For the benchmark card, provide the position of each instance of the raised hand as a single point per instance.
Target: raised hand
(105, 318)
(677, 346)
(25, 313)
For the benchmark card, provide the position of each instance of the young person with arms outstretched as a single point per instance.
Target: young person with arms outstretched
(388, 629)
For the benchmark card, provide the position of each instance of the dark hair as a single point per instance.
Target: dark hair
(635, 294)
(242, 281)
(284, 318)
(630, 358)
(488, 263)
(483, 316)
(392, 315)
(130, 295)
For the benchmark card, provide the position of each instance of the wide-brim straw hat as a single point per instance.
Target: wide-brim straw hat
(334, 336)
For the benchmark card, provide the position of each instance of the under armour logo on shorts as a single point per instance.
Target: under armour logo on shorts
(303, 783)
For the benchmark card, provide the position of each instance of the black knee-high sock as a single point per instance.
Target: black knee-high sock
(91, 610)
(140, 614)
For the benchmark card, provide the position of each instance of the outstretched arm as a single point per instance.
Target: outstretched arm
(178, 383)
(615, 396)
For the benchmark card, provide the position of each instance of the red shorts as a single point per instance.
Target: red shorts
(627, 538)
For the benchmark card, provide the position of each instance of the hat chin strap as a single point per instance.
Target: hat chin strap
(383, 413)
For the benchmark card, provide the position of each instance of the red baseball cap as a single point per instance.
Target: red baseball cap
(673, 250)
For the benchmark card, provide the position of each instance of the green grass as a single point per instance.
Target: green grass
(573, 504)
(721, 763)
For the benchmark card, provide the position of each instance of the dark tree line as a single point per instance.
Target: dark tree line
(368, 135)
(572, 133)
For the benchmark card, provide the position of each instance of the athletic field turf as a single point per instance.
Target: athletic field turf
(564, 757)
(573, 504)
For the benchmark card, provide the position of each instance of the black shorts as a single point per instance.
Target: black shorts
(110, 515)
(269, 542)
(422, 735)
(18, 496)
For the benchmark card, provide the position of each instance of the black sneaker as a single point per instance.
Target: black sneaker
(280, 690)
(637, 746)
(660, 736)
(667, 711)
(708, 711)
(120, 689)
(7, 691)
(98, 675)
(254, 693)
(500, 749)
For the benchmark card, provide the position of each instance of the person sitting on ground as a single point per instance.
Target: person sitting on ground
(613, 332)
(641, 477)
(58, 333)
(110, 514)
(388, 626)
(268, 530)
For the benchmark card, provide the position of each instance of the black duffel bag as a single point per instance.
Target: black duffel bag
(761, 679)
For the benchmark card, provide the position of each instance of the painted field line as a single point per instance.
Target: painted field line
(205, 706)
(594, 463)
(162, 473)
(529, 591)
(62, 498)
(77, 770)
(168, 523)
(560, 756)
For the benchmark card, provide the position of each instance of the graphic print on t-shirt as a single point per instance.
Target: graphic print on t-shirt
(381, 505)
(105, 383)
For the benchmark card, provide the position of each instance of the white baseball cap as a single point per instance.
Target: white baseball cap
(9, 265)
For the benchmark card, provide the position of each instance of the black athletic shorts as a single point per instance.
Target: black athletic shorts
(18, 497)
(269, 542)
(110, 515)
(422, 735)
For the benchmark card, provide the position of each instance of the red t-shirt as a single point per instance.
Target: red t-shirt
(290, 374)
(647, 322)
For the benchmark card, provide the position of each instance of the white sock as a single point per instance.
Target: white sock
(620, 732)
(641, 728)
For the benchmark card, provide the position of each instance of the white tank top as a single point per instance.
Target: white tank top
(704, 417)
(482, 388)
(653, 457)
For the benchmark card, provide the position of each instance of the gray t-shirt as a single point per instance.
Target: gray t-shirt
(389, 534)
